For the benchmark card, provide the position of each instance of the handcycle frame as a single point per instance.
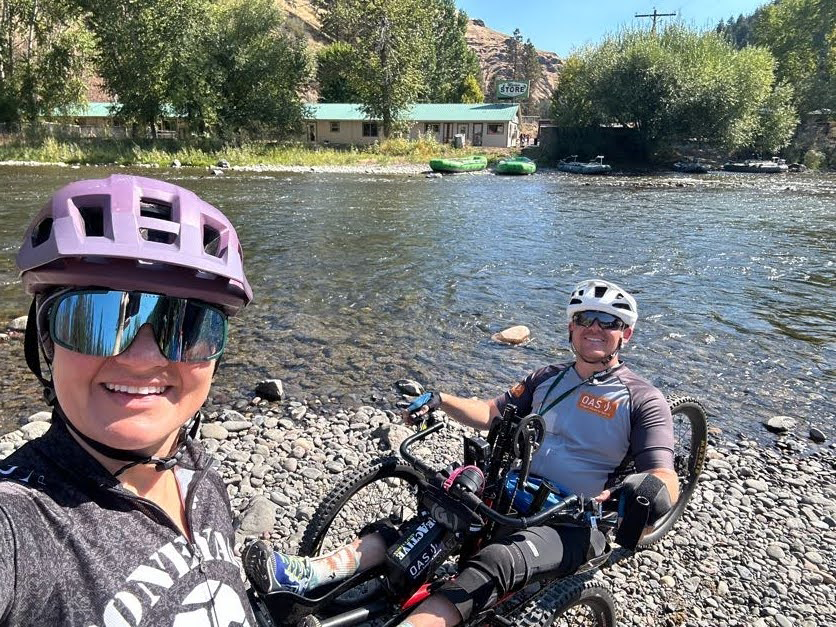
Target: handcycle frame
(511, 442)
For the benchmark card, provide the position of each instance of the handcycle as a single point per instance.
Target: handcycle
(445, 516)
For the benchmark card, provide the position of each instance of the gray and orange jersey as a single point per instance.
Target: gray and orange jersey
(595, 426)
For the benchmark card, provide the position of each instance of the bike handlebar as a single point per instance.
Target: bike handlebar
(471, 500)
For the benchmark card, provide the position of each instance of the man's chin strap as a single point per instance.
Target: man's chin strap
(31, 348)
(605, 361)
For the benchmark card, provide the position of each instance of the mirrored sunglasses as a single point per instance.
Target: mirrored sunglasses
(606, 321)
(103, 323)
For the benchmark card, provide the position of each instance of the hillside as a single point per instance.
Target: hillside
(488, 44)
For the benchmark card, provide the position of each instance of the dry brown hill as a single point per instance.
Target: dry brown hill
(488, 44)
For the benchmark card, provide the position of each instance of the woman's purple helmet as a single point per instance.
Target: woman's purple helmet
(137, 234)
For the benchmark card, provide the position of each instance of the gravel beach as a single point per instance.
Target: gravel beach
(755, 547)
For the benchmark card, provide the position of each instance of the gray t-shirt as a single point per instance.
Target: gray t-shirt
(595, 426)
(78, 549)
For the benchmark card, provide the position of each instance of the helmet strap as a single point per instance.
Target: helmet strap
(186, 434)
(604, 362)
(32, 351)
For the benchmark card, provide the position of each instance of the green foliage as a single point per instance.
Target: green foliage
(255, 69)
(143, 48)
(677, 85)
(814, 159)
(43, 50)
(450, 62)
(802, 36)
(334, 73)
(471, 92)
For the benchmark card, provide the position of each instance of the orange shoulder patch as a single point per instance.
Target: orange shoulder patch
(518, 390)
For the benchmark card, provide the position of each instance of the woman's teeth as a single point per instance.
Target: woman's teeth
(129, 389)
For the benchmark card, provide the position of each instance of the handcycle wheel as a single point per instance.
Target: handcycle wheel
(577, 601)
(690, 433)
(385, 489)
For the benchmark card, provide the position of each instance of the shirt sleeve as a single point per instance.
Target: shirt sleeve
(7, 565)
(651, 437)
(522, 394)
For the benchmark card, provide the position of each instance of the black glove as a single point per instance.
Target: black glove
(642, 500)
(424, 404)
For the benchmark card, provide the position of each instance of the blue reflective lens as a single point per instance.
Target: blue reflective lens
(103, 323)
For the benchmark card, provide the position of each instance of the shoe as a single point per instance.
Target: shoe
(269, 571)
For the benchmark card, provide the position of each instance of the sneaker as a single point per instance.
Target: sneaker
(270, 571)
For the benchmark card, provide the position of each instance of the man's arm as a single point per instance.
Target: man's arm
(470, 412)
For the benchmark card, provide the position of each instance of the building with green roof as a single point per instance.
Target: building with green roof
(483, 124)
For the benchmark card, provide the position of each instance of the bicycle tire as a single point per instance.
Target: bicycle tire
(689, 458)
(574, 601)
(379, 471)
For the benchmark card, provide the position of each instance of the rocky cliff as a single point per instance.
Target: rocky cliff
(488, 44)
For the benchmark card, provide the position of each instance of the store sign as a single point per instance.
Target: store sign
(512, 89)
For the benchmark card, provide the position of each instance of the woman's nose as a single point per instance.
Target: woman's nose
(143, 348)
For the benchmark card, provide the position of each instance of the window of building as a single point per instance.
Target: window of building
(369, 129)
(335, 127)
(494, 129)
(432, 128)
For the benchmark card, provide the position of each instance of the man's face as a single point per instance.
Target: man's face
(592, 343)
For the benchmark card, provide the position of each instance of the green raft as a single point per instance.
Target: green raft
(516, 165)
(462, 164)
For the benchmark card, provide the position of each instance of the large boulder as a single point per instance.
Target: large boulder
(513, 335)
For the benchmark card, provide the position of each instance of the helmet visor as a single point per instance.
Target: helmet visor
(103, 323)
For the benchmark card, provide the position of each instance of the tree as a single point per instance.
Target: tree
(514, 48)
(142, 48)
(802, 36)
(334, 73)
(255, 69)
(44, 47)
(450, 61)
(471, 92)
(677, 85)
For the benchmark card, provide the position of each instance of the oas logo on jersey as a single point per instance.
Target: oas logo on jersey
(212, 604)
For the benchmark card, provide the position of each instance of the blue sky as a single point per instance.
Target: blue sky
(561, 25)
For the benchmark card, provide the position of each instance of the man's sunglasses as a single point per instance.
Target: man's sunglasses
(103, 323)
(606, 321)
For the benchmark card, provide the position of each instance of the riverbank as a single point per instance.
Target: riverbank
(756, 546)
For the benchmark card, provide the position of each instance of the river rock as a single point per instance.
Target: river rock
(258, 517)
(222, 163)
(213, 430)
(392, 435)
(817, 435)
(780, 424)
(19, 323)
(270, 389)
(34, 430)
(176, 163)
(38, 416)
(409, 387)
(233, 426)
(513, 335)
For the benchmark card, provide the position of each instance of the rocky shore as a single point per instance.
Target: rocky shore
(755, 547)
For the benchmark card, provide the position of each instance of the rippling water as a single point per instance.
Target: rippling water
(361, 280)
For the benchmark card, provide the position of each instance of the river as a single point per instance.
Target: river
(363, 279)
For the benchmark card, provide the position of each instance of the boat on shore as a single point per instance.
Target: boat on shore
(571, 164)
(692, 166)
(516, 165)
(473, 163)
(775, 166)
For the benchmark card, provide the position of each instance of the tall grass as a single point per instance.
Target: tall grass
(204, 153)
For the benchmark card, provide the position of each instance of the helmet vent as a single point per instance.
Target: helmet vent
(41, 233)
(153, 235)
(600, 290)
(149, 208)
(93, 217)
(211, 241)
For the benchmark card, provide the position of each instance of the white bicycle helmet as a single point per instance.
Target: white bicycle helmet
(599, 295)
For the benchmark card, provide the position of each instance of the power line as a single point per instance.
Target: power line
(655, 16)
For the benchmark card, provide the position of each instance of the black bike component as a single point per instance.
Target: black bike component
(352, 617)
(452, 514)
(690, 442)
(531, 430)
(476, 452)
(543, 490)
(576, 600)
(423, 545)
(384, 488)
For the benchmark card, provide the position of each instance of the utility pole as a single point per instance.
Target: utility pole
(655, 16)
